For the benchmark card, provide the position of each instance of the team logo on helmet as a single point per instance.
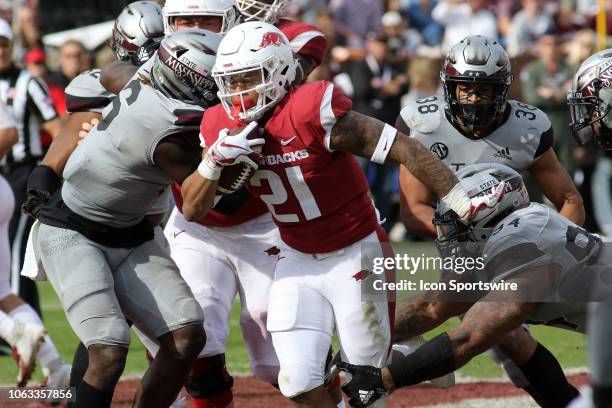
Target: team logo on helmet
(603, 78)
(271, 38)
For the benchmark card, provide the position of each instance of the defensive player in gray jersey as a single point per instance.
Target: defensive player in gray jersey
(138, 24)
(538, 267)
(590, 102)
(111, 181)
(473, 122)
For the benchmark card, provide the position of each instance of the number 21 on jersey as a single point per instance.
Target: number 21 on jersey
(279, 194)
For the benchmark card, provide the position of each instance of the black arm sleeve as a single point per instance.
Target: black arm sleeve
(432, 360)
(546, 142)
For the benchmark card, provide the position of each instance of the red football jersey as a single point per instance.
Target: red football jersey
(318, 197)
(304, 39)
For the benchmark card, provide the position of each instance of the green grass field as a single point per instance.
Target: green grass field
(568, 347)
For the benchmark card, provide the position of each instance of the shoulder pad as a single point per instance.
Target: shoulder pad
(533, 116)
(424, 115)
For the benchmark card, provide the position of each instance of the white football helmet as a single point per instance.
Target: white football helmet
(261, 10)
(217, 8)
(258, 56)
(183, 64)
(137, 23)
(477, 180)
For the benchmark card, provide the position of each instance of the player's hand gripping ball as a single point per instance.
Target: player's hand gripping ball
(235, 174)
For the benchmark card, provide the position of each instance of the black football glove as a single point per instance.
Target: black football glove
(145, 51)
(42, 183)
(363, 384)
(34, 202)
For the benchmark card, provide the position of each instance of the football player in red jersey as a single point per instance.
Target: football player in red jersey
(318, 196)
(209, 253)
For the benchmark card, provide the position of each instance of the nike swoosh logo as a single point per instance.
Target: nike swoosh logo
(224, 144)
(177, 233)
(286, 142)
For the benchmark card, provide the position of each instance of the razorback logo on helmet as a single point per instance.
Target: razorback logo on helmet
(271, 38)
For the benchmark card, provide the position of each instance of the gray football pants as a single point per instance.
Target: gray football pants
(99, 287)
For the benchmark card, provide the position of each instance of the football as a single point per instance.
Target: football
(234, 177)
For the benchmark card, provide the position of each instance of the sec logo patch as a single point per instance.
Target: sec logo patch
(440, 150)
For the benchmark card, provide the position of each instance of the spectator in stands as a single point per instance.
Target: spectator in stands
(377, 84)
(582, 46)
(424, 79)
(402, 41)
(419, 13)
(74, 59)
(462, 18)
(377, 90)
(356, 18)
(567, 20)
(527, 26)
(545, 83)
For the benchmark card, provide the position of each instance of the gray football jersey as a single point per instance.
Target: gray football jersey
(577, 263)
(85, 93)
(514, 143)
(111, 177)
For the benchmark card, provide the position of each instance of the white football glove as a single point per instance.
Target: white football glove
(476, 208)
(229, 150)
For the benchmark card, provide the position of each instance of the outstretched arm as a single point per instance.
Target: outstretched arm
(359, 134)
(419, 315)
(370, 138)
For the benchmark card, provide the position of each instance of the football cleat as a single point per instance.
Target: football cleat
(26, 339)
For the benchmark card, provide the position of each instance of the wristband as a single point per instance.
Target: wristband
(387, 137)
(208, 170)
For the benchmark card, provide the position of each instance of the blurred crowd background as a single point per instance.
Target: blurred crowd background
(383, 54)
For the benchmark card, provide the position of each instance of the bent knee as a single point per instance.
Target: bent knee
(184, 343)
(266, 373)
(298, 378)
(107, 359)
